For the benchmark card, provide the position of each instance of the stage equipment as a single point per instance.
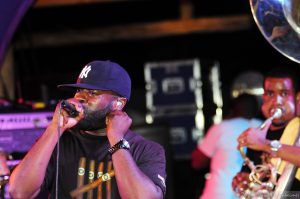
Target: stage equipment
(183, 94)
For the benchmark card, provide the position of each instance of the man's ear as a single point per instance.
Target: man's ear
(119, 103)
(298, 104)
(298, 97)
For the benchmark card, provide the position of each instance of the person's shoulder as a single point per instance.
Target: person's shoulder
(235, 119)
(241, 120)
(239, 123)
(229, 122)
(255, 122)
(217, 127)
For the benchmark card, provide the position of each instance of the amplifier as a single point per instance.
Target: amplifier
(184, 131)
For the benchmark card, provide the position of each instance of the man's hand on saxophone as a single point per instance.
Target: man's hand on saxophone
(255, 138)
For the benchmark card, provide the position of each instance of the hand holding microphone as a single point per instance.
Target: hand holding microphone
(70, 114)
(69, 108)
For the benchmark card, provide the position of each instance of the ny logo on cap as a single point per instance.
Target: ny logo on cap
(85, 71)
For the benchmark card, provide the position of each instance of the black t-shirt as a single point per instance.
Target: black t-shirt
(255, 156)
(84, 158)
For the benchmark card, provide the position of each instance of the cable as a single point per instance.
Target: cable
(57, 152)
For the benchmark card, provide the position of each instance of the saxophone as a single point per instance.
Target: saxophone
(260, 183)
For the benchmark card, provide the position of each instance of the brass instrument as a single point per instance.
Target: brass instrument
(279, 22)
(263, 178)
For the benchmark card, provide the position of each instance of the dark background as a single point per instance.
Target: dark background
(48, 66)
(39, 69)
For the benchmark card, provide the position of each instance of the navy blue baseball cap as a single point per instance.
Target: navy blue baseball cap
(103, 75)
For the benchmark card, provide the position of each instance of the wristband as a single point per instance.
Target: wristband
(122, 144)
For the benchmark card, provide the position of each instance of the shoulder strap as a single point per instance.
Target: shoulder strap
(287, 170)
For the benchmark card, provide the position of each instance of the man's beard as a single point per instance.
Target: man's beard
(93, 120)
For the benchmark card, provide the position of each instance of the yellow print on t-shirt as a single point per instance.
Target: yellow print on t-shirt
(98, 176)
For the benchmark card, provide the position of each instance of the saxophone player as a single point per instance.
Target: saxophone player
(281, 92)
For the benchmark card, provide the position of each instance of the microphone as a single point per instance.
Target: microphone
(275, 113)
(69, 108)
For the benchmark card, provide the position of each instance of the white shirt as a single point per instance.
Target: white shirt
(220, 144)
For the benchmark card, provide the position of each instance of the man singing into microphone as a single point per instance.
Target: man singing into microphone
(99, 157)
(281, 91)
